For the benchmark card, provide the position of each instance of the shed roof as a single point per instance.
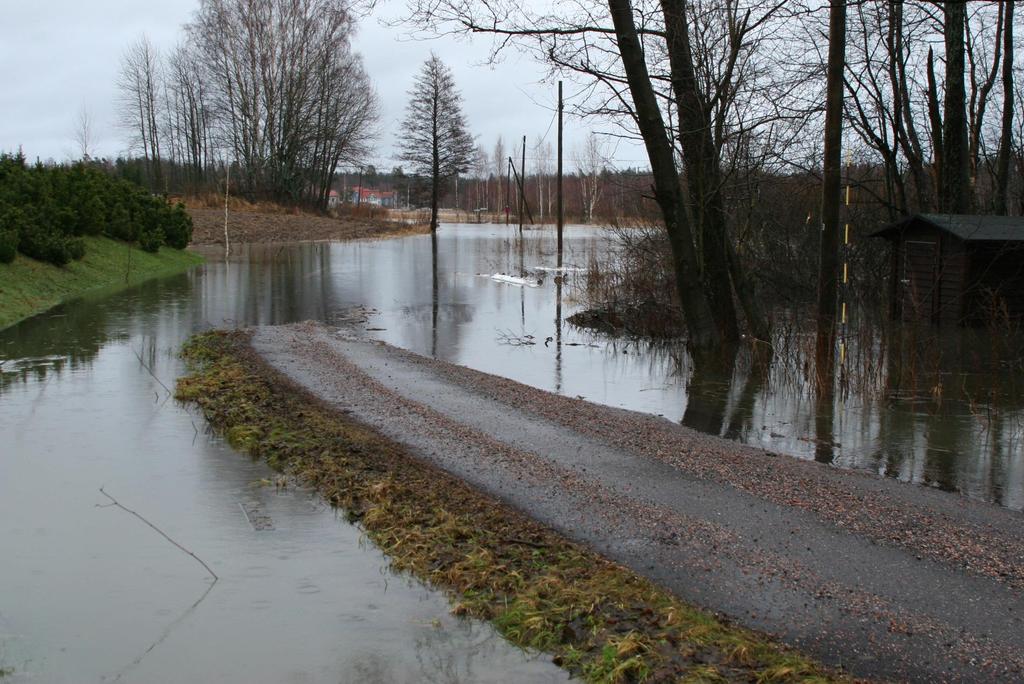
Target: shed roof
(967, 227)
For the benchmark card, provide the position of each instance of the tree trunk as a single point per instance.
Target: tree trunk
(1005, 140)
(935, 122)
(703, 175)
(703, 333)
(831, 192)
(979, 98)
(435, 175)
(903, 109)
(956, 191)
(434, 202)
(752, 309)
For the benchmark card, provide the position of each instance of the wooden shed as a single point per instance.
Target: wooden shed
(956, 268)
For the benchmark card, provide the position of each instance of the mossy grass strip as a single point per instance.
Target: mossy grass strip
(29, 287)
(600, 621)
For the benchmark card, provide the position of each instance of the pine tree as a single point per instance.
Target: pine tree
(434, 139)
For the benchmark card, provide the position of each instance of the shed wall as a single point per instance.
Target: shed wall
(931, 267)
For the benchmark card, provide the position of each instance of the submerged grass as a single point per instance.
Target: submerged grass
(28, 286)
(601, 621)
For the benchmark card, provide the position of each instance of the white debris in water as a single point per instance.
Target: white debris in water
(514, 280)
(563, 269)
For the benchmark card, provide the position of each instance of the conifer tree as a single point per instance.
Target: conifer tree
(434, 139)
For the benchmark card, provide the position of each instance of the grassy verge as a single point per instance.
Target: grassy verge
(601, 622)
(28, 287)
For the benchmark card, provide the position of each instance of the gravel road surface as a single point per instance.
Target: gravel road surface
(884, 579)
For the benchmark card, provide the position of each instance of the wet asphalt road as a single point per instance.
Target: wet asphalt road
(878, 605)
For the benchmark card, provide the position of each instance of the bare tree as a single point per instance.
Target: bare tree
(1002, 172)
(189, 114)
(542, 172)
(880, 103)
(434, 136)
(480, 167)
(704, 334)
(500, 162)
(139, 105)
(289, 98)
(981, 43)
(84, 136)
(590, 162)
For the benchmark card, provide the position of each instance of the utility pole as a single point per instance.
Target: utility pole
(560, 220)
(524, 204)
(508, 196)
(522, 186)
(359, 188)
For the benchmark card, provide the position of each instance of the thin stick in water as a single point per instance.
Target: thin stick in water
(150, 371)
(115, 502)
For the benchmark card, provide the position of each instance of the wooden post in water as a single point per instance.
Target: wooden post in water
(227, 186)
(522, 186)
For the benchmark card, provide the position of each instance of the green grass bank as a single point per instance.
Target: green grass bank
(29, 287)
(600, 621)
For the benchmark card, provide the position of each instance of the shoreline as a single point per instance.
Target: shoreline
(601, 620)
(29, 287)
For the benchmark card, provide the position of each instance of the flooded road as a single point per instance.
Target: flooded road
(92, 594)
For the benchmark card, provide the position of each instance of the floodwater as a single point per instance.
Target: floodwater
(449, 308)
(92, 594)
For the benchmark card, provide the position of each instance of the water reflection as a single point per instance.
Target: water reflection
(824, 428)
(435, 295)
(559, 278)
(709, 380)
(739, 420)
(90, 593)
(922, 414)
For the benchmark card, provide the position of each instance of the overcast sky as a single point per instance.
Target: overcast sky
(59, 56)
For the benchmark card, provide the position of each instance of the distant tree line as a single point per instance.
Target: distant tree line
(594, 188)
(45, 211)
(269, 89)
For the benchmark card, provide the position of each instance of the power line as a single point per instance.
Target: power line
(545, 136)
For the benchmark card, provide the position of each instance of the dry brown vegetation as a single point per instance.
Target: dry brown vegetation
(269, 222)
